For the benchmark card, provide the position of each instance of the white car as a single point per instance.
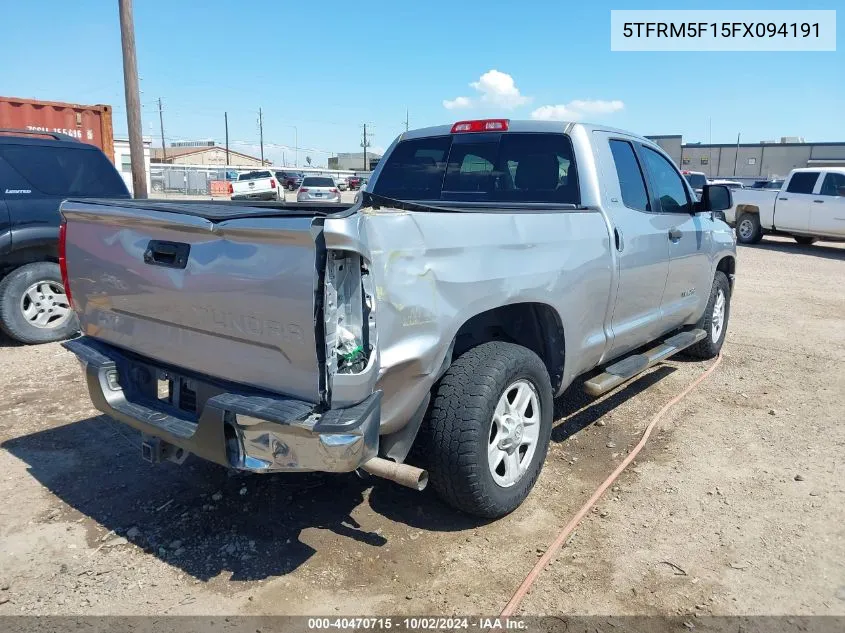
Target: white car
(318, 189)
(342, 183)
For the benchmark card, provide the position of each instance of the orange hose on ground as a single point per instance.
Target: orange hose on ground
(553, 549)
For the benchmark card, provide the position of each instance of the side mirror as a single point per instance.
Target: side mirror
(716, 198)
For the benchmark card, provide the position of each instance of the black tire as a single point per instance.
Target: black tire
(13, 287)
(804, 240)
(748, 229)
(708, 347)
(457, 429)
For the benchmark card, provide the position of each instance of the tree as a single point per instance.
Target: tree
(308, 160)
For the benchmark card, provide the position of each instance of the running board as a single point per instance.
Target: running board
(627, 368)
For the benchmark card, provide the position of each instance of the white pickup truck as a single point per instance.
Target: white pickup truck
(256, 185)
(810, 206)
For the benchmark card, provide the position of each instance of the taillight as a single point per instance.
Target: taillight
(272, 184)
(63, 260)
(231, 189)
(333, 190)
(481, 125)
(303, 189)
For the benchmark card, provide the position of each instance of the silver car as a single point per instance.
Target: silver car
(318, 189)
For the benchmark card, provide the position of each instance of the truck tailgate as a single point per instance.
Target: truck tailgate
(245, 187)
(233, 299)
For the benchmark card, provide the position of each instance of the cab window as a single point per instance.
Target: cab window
(667, 182)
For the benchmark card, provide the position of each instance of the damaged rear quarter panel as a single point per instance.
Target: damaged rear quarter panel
(434, 271)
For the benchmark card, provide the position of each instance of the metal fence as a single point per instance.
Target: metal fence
(201, 181)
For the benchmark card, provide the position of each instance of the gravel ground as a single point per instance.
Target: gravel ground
(736, 506)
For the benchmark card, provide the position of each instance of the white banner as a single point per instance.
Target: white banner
(710, 30)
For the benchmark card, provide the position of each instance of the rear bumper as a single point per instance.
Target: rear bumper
(262, 195)
(225, 424)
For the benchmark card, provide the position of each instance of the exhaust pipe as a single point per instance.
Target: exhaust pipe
(403, 474)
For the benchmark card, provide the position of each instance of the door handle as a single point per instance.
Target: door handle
(783, 198)
(675, 234)
(617, 236)
(819, 201)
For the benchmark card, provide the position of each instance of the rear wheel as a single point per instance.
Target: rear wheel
(33, 305)
(804, 240)
(714, 321)
(748, 229)
(488, 428)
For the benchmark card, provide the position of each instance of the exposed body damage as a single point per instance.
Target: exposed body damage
(433, 272)
(486, 267)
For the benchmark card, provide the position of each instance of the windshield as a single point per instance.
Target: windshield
(485, 167)
(65, 171)
(696, 181)
(317, 182)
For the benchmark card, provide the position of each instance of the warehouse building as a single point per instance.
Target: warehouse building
(767, 159)
(354, 161)
(211, 155)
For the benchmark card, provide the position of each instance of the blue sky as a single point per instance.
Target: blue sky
(328, 67)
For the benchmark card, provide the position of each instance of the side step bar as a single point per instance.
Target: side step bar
(631, 366)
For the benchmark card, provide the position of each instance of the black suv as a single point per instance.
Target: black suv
(37, 171)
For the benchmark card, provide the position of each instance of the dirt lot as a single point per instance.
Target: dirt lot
(736, 506)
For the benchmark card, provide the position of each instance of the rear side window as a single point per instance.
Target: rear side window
(833, 184)
(803, 182)
(510, 167)
(64, 171)
(631, 181)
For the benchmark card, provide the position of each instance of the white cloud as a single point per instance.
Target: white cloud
(457, 103)
(499, 89)
(576, 110)
(495, 88)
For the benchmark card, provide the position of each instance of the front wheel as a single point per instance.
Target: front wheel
(488, 427)
(804, 240)
(33, 305)
(714, 321)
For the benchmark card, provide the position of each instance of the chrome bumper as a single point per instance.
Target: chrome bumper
(227, 424)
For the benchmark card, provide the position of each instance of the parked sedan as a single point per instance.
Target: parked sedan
(290, 179)
(318, 189)
(342, 183)
(354, 182)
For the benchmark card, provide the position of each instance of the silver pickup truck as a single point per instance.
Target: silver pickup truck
(488, 266)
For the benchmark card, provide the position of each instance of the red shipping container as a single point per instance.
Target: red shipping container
(87, 123)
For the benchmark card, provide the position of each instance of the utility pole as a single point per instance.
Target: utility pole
(365, 143)
(261, 134)
(710, 149)
(736, 156)
(161, 123)
(226, 123)
(133, 99)
(406, 119)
